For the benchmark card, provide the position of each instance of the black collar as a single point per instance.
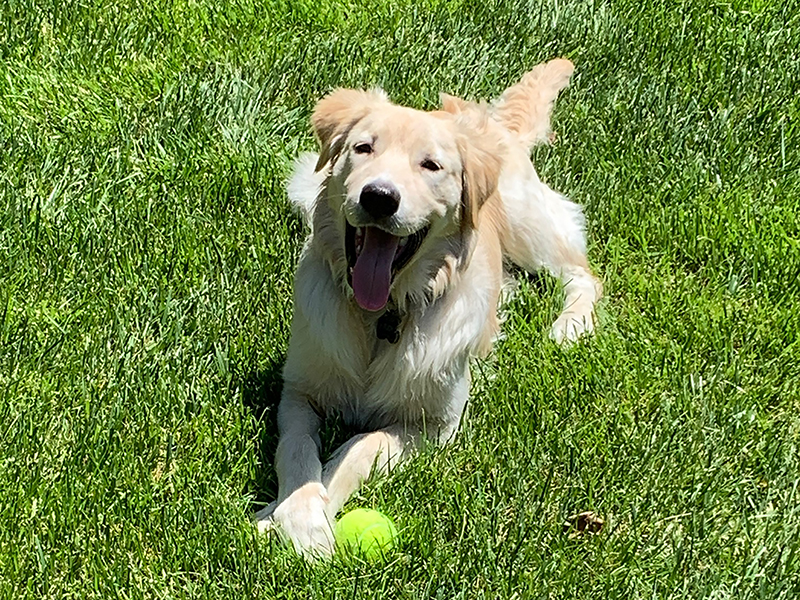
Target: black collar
(388, 326)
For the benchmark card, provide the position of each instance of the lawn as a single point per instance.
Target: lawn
(146, 257)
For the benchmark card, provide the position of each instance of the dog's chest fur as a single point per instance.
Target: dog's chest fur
(338, 362)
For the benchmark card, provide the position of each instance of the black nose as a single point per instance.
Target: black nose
(380, 199)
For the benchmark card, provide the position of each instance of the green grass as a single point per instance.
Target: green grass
(146, 258)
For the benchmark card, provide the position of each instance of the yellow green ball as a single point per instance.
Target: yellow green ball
(366, 532)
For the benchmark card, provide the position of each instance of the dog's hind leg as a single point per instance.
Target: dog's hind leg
(545, 230)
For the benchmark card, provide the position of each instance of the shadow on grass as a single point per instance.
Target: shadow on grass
(538, 280)
(261, 393)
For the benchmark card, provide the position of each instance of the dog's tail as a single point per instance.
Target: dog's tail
(525, 108)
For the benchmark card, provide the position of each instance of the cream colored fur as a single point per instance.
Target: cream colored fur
(483, 205)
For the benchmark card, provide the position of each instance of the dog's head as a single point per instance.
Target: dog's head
(404, 188)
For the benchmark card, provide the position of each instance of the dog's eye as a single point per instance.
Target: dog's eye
(363, 148)
(430, 165)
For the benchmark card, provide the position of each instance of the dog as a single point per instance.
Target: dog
(411, 216)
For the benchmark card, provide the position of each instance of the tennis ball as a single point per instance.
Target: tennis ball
(366, 532)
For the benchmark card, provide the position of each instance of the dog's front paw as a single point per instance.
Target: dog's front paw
(263, 518)
(301, 518)
(570, 326)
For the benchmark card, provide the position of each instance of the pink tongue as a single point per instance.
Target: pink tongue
(372, 273)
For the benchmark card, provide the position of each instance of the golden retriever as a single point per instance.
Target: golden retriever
(411, 215)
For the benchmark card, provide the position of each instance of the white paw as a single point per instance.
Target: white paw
(570, 326)
(301, 518)
(263, 518)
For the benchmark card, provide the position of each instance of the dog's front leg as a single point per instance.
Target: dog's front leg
(363, 455)
(300, 511)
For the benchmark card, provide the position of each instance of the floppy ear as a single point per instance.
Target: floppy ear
(458, 106)
(336, 114)
(453, 104)
(481, 151)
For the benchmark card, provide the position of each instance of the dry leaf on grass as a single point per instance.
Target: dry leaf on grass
(583, 523)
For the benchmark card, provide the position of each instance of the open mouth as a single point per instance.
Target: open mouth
(374, 257)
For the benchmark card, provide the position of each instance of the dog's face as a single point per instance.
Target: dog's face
(399, 180)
